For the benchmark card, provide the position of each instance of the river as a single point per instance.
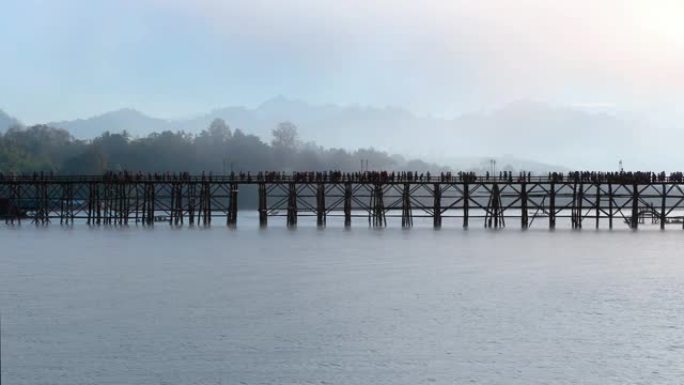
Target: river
(132, 305)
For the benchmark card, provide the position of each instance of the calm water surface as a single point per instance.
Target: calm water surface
(215, 306)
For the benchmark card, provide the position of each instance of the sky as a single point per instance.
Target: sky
(63, 59)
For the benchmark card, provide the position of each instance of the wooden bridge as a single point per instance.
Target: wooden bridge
(606, 199)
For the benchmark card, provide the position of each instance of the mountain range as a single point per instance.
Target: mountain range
(550, 135)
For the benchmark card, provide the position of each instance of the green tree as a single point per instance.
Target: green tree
(285, 136)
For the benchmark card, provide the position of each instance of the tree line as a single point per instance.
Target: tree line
(217, 149)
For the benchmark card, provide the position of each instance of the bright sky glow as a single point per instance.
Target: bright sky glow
(69, 58)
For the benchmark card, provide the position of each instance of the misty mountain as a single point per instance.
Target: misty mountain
(7, 121)
(524, 134)
(327, 125)
(560, 135)
(134, 122)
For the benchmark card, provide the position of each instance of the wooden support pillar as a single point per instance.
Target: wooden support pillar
(126, 202)
(610, 206)
(663, 205)
(635, 207)
(137, 202)
(113, 202)
(103, 201)
(499, 221)
(181, 212)
(72, 203)
(466, 204)
(151, 202)
(406, 212)
(98, 203)
(347, 204)
(378, 206)
(207, 203)
(62, 204)
(36, 202)
(201, 204)
(437, 206)
(46, 203)
(598, 204)
(573, 209)
(89, 212)
(292, 205)
(191, 202)
(552, 206)
(494, 216)
(178, 204)
(66, 204)
(233, 205)
(119, 203)
(580, 203)
(41, 202)
(172, 208)
(524, 219)
(320, 205)
(19, 207)
(143, 209)
(263, 205)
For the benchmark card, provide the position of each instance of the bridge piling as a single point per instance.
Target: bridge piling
(208, 203)
(552, 206)
(635, 206)
(611, 199)
(347, 208)
(466, 204)
(320, 205)
(662, 207)
(406, 212)
(524, 220)
(292, 206)
(179, 204)
(172, 205)
(233, 206)
(191, 204)
(378, 206)
(437, 206)
(263, 205)
(580, 205)
(494, 214)
(598, 204)
(573, 209)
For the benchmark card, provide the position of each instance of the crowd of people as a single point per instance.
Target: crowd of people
(378, 177)
(622, 177)
(364, 177)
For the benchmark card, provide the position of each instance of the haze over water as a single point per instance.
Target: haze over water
(216, 306)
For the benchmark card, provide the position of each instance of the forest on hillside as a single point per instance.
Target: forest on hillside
(217, 149)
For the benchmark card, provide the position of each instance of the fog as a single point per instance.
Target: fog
(582, 84)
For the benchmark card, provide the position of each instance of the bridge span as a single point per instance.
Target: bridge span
(587, 199)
